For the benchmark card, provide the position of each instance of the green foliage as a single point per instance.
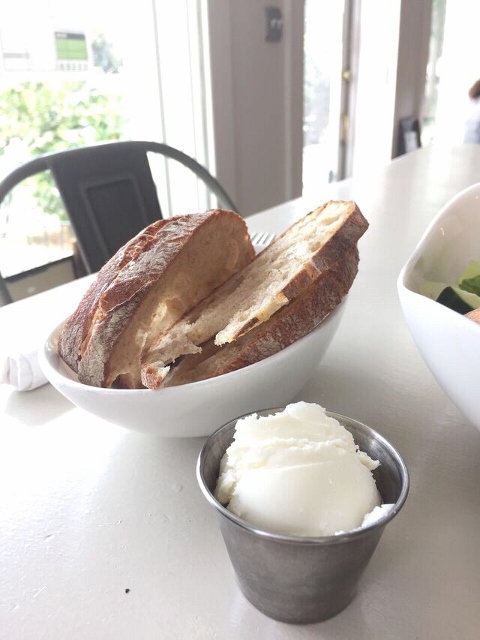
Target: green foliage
(51, 117)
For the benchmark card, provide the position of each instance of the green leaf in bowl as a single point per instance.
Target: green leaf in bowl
(470, 278)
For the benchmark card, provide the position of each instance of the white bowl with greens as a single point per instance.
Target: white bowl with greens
(437, 286)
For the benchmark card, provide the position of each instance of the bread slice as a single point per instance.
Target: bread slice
(78, 325)
(278, 275)
(287, 325)
(152, 282)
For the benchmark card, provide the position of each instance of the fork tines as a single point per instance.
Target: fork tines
(262, 237)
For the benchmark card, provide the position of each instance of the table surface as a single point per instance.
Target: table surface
(105, 534)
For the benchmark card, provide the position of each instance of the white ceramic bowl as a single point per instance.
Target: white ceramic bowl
(199, 408)
(448, 342)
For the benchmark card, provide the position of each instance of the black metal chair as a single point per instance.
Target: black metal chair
(5, 297)
(109, 192)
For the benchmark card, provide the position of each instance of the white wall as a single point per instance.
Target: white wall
(257, 102)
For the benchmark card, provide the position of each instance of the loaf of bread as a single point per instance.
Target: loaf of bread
(145, 288)
(187, 299)
(314, 257)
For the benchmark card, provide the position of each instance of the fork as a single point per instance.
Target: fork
(262, 238)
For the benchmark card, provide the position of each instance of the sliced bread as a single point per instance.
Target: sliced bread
(79, 324)
(280, 274)
(147, 286)
(286, 326)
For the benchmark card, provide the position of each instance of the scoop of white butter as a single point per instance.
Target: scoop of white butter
(297, 472)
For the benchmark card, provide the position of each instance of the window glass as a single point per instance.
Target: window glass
(323, 54)
(61, 86)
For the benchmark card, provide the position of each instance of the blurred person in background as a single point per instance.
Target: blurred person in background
(472, 122)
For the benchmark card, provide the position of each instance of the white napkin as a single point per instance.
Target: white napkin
(24, 327)
(22, 370)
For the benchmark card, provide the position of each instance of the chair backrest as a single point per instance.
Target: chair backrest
(109, 192)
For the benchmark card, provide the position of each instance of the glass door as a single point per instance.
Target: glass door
(79, 73)
(67, 79)
(449, 112)
(327, 92)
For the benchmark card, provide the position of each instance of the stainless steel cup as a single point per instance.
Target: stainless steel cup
(303, 579)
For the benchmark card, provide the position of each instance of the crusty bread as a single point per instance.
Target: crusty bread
(283, 272)
(146, 287)
(287, 325)
(77, 327)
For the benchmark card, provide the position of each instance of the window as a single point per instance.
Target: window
(75, 74)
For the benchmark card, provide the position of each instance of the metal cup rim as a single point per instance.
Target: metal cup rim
(340, 538)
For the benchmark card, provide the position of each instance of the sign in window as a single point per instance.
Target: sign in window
(71, 50)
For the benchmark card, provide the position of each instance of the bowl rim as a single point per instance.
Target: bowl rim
(407, 293)
(443, 213)
(54, 374)
(340, 538)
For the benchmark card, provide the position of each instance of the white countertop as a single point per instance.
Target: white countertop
(105, 534)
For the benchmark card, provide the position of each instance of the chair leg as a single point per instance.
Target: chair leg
(5, 297)
(79, 268)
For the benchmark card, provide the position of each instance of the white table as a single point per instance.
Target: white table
(105, 534)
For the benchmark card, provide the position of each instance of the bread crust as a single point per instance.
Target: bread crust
(328, 254)
(325, 236)
(78, 325)
(286, 326)
(109, 329)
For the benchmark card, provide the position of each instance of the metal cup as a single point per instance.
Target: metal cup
(303, 579)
